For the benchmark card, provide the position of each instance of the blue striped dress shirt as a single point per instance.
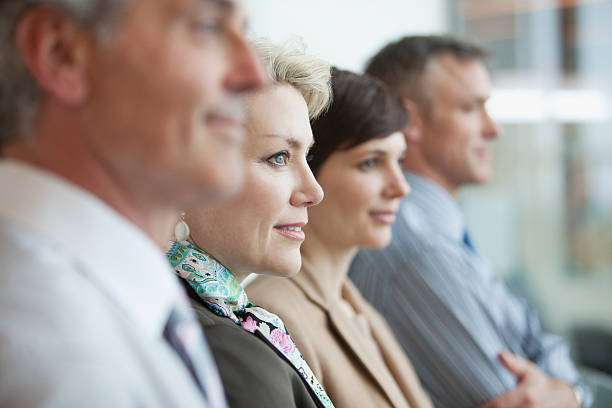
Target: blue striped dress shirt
(449, 311)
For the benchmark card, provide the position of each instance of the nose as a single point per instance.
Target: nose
(397, 186)
(247, 72)
(490, 128)
(308, 191)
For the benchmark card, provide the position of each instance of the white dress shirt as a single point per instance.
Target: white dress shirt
(84, 297)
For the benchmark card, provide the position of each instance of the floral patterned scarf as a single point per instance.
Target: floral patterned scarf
(223, 295)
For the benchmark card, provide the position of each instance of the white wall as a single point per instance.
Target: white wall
(346, 32)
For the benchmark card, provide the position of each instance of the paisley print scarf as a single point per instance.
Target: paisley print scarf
(223, 295)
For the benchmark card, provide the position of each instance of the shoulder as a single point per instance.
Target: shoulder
(286, 299)
(276, 294)
(28, 259)
(51, 318)
(409, 256)
(253, 373)
(409, 241)
(43, 288)
(420, 255)
(303, 318)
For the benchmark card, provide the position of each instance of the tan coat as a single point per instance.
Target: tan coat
(356, 369)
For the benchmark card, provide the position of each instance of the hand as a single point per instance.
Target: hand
(535, 389)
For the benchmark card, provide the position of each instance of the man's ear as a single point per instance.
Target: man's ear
(55, 50)
(414, 129)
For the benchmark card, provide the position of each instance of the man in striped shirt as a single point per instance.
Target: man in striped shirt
(471, 341)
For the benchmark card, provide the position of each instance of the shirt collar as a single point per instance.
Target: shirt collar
(431, 208)
(120, 259)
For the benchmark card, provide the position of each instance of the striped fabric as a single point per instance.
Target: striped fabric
(449, 311)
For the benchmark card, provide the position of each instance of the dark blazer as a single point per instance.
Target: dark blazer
(254, 373)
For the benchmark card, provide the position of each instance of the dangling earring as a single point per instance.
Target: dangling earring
(181, 230)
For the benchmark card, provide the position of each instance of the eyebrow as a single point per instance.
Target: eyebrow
(376, 152)
(380, 153)
(226, 5)
(291, 141)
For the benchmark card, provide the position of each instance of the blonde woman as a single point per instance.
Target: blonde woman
(259, 232)
(356, 159)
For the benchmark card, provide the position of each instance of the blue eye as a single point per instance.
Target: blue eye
(279, 159)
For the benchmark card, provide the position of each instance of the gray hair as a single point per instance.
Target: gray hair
(19, 93)
(289, 64)
(401, 64)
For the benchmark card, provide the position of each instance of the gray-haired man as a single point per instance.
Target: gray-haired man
(114, 115)
(450, 312)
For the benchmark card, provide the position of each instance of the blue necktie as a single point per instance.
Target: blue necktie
(467, 240)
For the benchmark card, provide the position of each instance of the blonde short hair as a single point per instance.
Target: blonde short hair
(288, 63)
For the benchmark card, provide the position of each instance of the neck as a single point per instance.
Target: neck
(331, 263)
(153, 218)
(239, 275)
(416, 164)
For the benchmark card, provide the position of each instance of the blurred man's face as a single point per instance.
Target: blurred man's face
(165, 106)
(457, 129)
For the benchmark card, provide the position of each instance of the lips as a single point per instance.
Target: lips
(484, 153)
(383, 217)
(292, 231)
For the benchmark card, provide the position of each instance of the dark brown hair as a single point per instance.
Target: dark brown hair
(362, 109)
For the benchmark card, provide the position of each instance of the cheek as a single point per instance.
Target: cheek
(166, 117)
(456, 137)
(351, 200)
(181, 84)
(468, 128)
(227, 231)
(263, 201)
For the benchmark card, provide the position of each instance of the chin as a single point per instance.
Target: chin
(481, 180)
(284, 268)
(378, 241)
(483, 176)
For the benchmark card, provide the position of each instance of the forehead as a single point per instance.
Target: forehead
(393, 144)
(449, 76)
(231, 8)
(279, 110)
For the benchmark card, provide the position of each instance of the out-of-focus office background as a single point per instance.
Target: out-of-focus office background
(546, 220)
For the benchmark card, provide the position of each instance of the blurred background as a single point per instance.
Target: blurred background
(545, 221)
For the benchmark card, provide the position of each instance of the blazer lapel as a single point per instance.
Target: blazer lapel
(349, 331)
(398, 363)
(373, 361)
(370, 362)
(309, 386)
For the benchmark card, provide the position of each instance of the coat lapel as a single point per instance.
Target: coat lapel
(349, 331)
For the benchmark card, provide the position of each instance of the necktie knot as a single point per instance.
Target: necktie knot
(467, 240)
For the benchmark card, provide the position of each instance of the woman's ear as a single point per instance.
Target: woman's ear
(54, 49)
(414, 129)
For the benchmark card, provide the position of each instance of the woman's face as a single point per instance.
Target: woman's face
(261, 230)
(363, 187)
